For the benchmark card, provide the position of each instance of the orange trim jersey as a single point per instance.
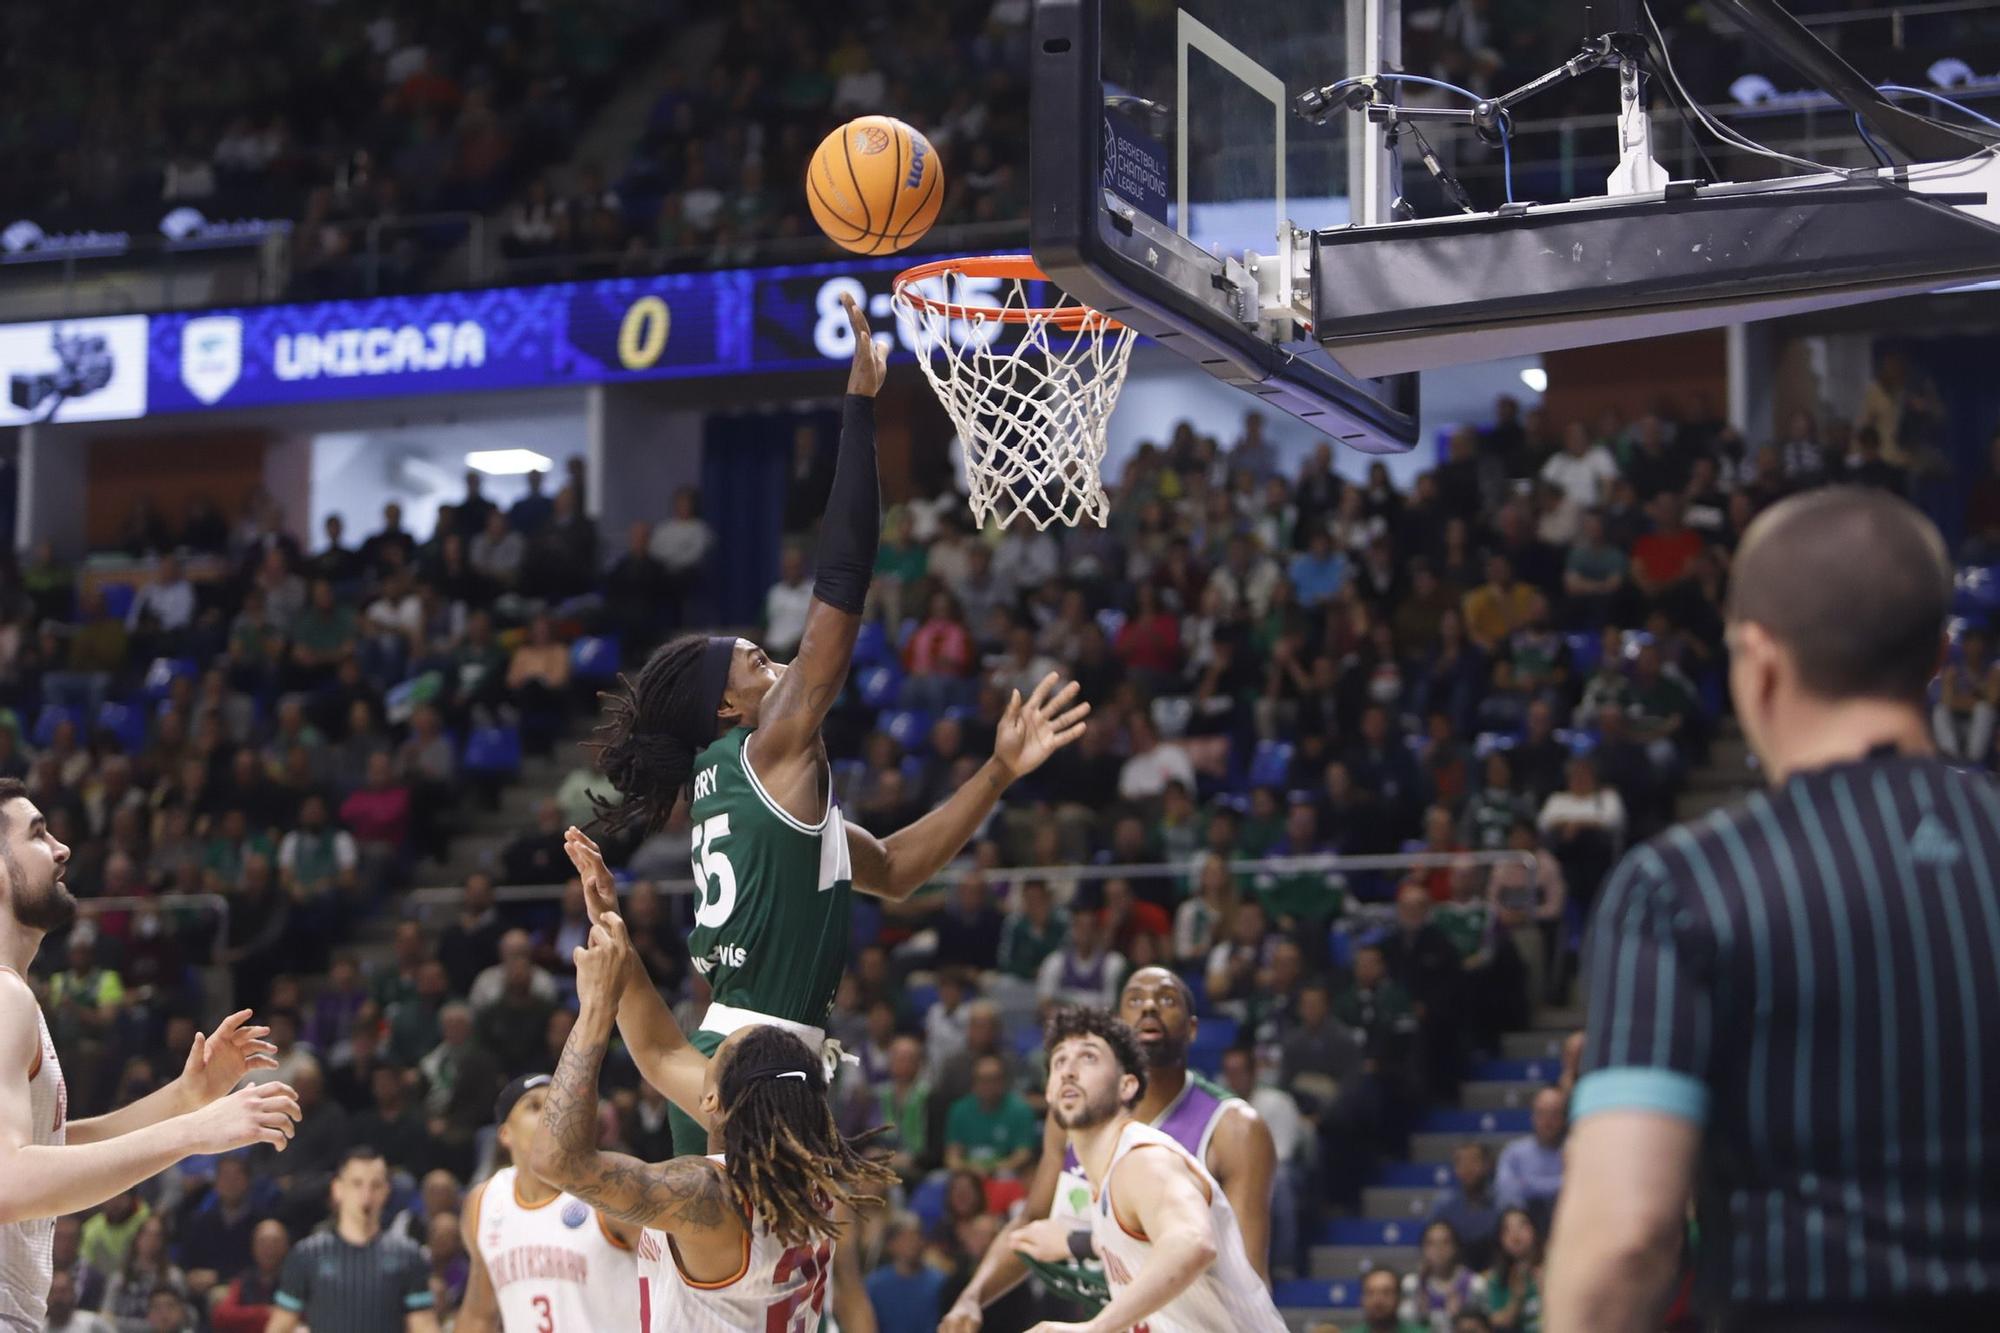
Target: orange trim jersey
(1229, 1295)
(555, 1267)
(27, 1248)
(777, 1288)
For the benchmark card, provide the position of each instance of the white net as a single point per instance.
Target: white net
(1030, 406)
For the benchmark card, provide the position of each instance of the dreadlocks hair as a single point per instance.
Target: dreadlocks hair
(1079, 1021)
(786, 1161)
(648, 766)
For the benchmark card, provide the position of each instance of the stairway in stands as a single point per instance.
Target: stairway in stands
(1492, 1108)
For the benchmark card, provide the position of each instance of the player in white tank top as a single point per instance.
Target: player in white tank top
(1195, 1277)
(50, 1166)
(722, 1250)
(543, 1261)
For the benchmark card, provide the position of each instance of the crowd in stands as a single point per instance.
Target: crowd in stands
(1521, 654)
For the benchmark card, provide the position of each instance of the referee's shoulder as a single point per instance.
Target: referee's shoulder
(1708, 845)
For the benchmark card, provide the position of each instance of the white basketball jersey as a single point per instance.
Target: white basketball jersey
(27, 1249)
(778, 1288)
(555, 1268)
(1229, 1295)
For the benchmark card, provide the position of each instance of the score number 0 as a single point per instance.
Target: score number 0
(642, 334)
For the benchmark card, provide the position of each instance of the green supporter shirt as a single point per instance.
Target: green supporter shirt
(1022, 947)
(988, 1136)
(1464, 924)
(908, 1116)
(907, 563)
(1312, 895)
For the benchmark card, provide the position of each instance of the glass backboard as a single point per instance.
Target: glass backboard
(1165, 149)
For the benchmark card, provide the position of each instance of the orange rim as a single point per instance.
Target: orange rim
(1021, 268)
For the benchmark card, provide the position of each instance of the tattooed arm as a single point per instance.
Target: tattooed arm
(687, 1196)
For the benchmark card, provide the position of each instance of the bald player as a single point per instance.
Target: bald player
(1212, 1123)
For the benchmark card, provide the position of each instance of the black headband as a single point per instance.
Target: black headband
(711, 680)
(775, 1069)
(503, 1106)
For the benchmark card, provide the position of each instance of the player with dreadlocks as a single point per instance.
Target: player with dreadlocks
(742, 1238)
(716, 720)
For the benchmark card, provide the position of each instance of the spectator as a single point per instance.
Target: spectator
(379, 816)
(1319, 573)
(1469, 1206)
(1231, 971)
(969, 929)
(905, 1291)
(1085, 971)
(1442, 1287)
(1274, 1106)
(990, 1129)
(535, 856)
(1585, 824)
(64, 1315)
(471, 943)
(511, 1024)
(983, 1036)
(905, 1098)
(786, 604)
(1968, 701)
(1514, 1286)
(1202, 920)
(167, 1312)
(683, 540)
(316, 859)
(146, 1269)
(1381, 1295)
(413, 1020)
(246, 1307)
(66, 1251)
(217, 1230)
(1152, 763)
(1377, 1007)
(940, 647)
(639, 595)
(164, 605)
(1531, 1167)
(1498, 607)
(497, 550)
(515, 969)
(1032, 933)
(1419, 957)
(537, 675)
(1494, 809)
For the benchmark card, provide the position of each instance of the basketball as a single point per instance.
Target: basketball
(875, 185)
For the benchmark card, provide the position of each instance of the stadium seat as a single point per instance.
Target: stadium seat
(595, 657)
(908, 727)
(493, 750)
(913, 770)
(1451, 1120)
(1360, 1231)
(879, 686)
(1270, 764)
(1414, 1175)
(1312, 1293)
(118, 599)
(1493, 742)
(927, 1200)
(124, 721)
(1586, 651)
(51, 717)
(1978, 591)
(1111, 620)
(871, 645)
(160, 676)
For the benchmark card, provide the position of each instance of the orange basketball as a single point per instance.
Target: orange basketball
(875, 185)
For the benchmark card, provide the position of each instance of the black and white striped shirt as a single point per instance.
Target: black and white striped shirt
(1813, 975)
(335, 1287)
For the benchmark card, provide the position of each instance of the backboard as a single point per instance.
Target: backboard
(1170, 180)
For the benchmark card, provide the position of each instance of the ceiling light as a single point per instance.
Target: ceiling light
(507, 462)
(1536, 379)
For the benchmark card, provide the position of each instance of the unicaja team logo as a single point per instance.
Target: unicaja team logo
(211, 356)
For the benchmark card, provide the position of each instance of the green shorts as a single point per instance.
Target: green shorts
(690, 1139)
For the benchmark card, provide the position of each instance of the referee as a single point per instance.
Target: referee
(354, 1277)
(1794, 1002)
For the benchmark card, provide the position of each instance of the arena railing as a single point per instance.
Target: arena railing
(90, 909)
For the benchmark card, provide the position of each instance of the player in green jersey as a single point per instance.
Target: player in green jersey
(715, 719)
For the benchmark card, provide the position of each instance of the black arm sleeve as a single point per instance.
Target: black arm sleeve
(852, 526)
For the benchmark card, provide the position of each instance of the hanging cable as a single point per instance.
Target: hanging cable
(1716, 127)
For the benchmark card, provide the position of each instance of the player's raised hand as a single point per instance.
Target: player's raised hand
(1036, 728)
(260, 1113)
(600, 891)
(871, 363)
(218, 1061)
(601, 966)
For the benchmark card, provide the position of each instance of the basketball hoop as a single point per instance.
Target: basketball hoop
(1031, 411)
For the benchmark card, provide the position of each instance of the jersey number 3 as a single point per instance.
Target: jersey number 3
(712, 871)
(786, 1316)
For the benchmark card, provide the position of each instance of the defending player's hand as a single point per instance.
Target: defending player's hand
(600, 892)
(601, 966)
(1049, 1326)
(965, 1316)
(218, 1061)
(1046, 1239)
(260, 1113)
(1033, 730)
(871, 363)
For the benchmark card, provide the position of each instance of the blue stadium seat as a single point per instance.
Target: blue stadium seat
(1978, 591)
(1517, 1071)
(118, 599)
(1579, 742)
(1491, 742)
(493, 750)
(846, 772)
(124, 721)
(1451, 1120)
(908, 727)
(913, 770)
(927, 1200)
(160, 676)
(1220, 1030)
(1412, 1176)
(1270, 764)
(1359, 1231)
(1111, 620)
(595, 657)
(1586, 651)
(51, 717)
(878, 685)
(1315, 1293)
(871, 645)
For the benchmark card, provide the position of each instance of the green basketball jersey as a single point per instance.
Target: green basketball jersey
(773, 894)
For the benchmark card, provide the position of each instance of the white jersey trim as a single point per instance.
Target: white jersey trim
(757, 785)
